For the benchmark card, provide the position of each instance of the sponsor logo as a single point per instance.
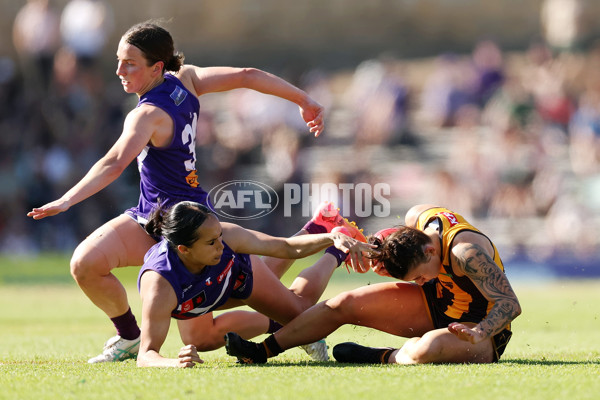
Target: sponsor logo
(450, 217)
(223, 274)
(187, 306)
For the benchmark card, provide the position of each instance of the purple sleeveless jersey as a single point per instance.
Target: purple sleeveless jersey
(198, 294)
(168, 175)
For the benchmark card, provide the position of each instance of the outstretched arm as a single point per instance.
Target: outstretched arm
(219, 79)
(299, 246)
(158, 299)
(137, 131)
(474, 261)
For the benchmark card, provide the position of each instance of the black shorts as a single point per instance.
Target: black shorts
(441, 320)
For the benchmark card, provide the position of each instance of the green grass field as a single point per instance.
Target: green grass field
(48, 329)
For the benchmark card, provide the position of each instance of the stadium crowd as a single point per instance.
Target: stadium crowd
(509, 140)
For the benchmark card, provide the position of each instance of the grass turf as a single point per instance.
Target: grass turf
(48, 329)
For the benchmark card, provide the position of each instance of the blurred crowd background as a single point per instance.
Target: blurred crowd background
(488, 108)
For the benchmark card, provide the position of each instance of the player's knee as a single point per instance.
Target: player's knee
(82, 265)
(208, 341)
(209, 337)
(342, 307)
(423, 350)
(77, 265)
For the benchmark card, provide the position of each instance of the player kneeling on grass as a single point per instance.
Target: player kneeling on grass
(458, 310)
(203, 264)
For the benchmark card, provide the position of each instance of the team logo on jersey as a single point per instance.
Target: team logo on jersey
(192, 303)
(178, 95)
(450, 217)
(192, 179)
(240, 282)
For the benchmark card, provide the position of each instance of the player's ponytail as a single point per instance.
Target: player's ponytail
(155, 222)
(179, 224)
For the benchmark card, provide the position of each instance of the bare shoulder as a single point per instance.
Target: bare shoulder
(413, 213)
(152, 123)
(146, 113)
(472, 253)
(466, 238)
(188, 75)
(153, 285)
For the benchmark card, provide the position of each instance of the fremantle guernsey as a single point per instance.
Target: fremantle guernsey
(198, 294)
(168, 174)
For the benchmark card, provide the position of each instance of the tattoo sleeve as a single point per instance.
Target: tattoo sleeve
(475, 263)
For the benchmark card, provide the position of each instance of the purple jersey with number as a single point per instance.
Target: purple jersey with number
(198, 294)
(168, 174)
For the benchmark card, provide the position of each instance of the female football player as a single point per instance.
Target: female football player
(455, 303)
(203, 264)
(161, 133)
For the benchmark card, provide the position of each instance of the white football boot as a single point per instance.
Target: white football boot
(317, 350)
(117, 349)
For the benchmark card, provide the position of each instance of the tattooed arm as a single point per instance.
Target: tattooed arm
(473, 260)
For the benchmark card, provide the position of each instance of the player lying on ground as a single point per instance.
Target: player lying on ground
(458, 310)
(203, 264)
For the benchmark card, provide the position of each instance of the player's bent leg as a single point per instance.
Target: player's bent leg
(397, 308)
(270, 297)
(442, 346)
(207, 332)
(120, 242)
(311, 282)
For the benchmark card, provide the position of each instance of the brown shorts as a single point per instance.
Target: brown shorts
(441, 320)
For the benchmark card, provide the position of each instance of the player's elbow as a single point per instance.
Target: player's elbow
(114, 172)
(517, 310)
(512, 309)
(112, 167)
(247, 76)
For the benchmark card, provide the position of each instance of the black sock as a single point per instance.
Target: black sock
(272, 347)
(126, 326)
(385, 355)
(274, 326)
(349, 352)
